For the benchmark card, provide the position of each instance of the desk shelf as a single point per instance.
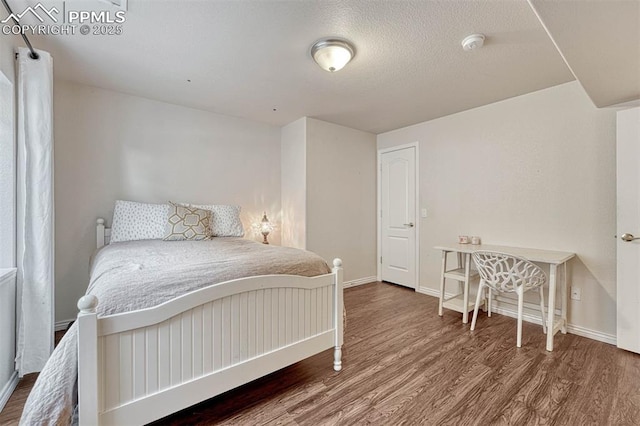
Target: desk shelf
(459, 274)
(463, 274)
(456, 303)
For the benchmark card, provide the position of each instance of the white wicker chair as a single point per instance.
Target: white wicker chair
(506, 273)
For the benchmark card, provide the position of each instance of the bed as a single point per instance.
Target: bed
(149, 349)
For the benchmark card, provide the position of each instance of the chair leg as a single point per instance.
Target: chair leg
(520, 309)
(475, 309)
(490, 302)
(544, 321)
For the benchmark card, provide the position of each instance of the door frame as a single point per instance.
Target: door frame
(416, 146)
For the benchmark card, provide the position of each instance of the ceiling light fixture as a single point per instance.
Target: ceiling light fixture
(332, 54)
(473, 42)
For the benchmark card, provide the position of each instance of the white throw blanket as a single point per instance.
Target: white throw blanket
(140, 274)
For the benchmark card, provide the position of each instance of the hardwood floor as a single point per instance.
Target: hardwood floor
(405, 365)
(11, 413)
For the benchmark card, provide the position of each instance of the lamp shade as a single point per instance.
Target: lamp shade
(332, 54)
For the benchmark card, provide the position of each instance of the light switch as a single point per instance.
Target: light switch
(423, 213)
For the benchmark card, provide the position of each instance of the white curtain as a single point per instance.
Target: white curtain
(35, 247)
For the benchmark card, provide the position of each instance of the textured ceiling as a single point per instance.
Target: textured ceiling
(600, 41)
(247, 58)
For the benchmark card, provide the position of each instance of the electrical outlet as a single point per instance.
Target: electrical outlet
(576, 293)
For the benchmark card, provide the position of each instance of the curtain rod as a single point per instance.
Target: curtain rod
(33, 53)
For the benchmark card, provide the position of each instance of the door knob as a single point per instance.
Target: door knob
(629, 237)
(410, 225)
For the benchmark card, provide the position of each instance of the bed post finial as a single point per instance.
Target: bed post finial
(337, 263)
(87, 304)
(99, 232)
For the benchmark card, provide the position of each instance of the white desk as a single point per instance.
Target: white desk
(553, 258)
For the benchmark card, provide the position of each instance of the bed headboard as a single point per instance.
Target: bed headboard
(103, 234)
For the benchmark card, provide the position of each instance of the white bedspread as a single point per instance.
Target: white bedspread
(139, 274)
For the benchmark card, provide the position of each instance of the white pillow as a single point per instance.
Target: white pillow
(138, 221)
(225, 220)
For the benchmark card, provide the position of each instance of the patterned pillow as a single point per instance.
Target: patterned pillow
(225, 220)
(187, 223)
(138, 221)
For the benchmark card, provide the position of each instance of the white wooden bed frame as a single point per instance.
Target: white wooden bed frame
(139, 366)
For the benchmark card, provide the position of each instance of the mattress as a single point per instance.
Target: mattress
(134, 275)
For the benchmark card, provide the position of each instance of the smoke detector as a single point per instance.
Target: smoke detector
(473, 42)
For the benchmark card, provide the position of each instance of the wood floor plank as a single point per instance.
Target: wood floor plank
(626, 401)
(405, 365)
(11, 413)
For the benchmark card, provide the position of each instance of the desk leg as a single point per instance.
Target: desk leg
(551, 306)
(564, 289)
(460, 265)
(467, 273)
(444, 269)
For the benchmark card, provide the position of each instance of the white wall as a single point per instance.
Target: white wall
(7, 152)
(7, 171)
(112, 146)
(294, 184)
(329, 194)
(8, 46)
(8, 377)
(537, 170)
(341, 196)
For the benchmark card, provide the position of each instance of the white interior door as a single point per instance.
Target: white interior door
(628, 253)
(397, 221)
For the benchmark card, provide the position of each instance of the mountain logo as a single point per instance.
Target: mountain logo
(39, 11)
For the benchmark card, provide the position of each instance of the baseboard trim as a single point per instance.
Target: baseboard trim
(502, 310)
(592, 334)
(359, 281)
(62, 325)
(8, 389)
(430, 292)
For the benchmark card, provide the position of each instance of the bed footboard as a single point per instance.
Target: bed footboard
(140, 366)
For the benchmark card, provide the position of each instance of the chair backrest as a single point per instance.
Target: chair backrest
(504, 272)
